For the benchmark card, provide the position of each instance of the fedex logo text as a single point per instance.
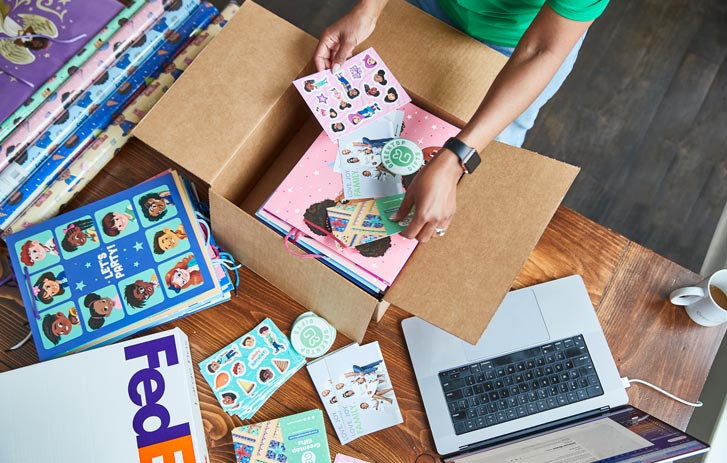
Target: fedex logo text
(146, 388)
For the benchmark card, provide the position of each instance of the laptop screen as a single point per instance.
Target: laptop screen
(623, 435)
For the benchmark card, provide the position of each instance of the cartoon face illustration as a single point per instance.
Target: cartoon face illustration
(338, 127)
(369, 61)
(115, 222)
(34, 251)
(55, 326)
(265, 375)
(332, 113)
(154, 205)
(380, 77)
(228, 398)
(99, 309)
(48, 286)
(391, 95)
(309, 85)
(373, 91)
(75, 236)
(165, 240)
(137, 293)
(182, 275)
(249, 341)
(213, 366)
(344, 105)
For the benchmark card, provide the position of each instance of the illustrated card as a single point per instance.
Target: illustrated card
(359, 159)
(365, 399)
(363, 90)
(101, 260)
(299, 438)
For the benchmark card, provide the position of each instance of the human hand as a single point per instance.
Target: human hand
(340, 38)
(433, 194)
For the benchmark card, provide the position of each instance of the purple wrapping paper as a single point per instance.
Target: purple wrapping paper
(37, 37)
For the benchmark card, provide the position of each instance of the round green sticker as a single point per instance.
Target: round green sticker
(312, 336)
(401, 156)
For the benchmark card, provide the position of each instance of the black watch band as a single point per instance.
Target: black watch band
(468, 156)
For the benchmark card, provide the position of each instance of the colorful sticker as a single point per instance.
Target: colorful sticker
(361, 91)
(180, 275)
(50, 287)
(59, 325)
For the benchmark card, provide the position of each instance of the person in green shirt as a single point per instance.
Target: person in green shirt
(541, 38)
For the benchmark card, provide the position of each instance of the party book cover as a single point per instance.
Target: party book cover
(113, 266)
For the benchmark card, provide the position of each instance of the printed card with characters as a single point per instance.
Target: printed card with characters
(360, 92)
(356, 390)
(102, 270)
(244, 374)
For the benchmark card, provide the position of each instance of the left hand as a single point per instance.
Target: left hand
(433, 194)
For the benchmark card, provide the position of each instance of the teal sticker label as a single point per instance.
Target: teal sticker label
(402, 157)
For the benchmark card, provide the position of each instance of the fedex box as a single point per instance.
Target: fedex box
(135, 401)
(235, 121)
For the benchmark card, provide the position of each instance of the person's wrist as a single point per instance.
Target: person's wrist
(450, 163)
(369, 10)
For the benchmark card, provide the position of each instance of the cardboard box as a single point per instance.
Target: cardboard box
(234, 120)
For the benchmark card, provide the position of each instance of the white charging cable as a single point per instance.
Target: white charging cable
(628, 382)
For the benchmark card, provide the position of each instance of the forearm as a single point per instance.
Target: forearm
(370, 9)
(532, 65)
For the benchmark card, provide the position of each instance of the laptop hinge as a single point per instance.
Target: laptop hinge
(541, 428)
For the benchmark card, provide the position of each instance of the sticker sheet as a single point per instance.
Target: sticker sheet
(341, 458)
(363, 90)
(244, 374)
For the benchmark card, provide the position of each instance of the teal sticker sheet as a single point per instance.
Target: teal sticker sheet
(245, 373)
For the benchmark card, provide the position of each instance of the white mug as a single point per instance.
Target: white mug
(699, 302)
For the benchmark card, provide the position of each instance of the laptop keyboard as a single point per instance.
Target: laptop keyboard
(519, 384)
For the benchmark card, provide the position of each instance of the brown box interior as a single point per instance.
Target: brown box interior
(248, 127)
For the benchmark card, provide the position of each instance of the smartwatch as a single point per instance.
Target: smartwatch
(468, 156)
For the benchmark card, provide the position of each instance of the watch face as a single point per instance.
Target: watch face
(472, 162)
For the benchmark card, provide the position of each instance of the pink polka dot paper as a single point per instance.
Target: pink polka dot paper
(312, 186)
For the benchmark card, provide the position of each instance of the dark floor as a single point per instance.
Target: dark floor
(644, 113)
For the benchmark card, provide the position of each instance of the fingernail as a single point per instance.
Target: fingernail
(393, 218)
(336, 68)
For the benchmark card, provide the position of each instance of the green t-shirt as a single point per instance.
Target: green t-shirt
(503, 22)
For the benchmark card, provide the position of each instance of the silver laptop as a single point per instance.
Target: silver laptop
(538, 384)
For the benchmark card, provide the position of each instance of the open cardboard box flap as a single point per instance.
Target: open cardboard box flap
(234, 111)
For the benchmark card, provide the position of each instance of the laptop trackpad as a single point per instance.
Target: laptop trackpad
(517, 324)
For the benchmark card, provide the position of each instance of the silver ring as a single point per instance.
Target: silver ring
(439, 231)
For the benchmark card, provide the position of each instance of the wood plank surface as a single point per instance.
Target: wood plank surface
(627, 283)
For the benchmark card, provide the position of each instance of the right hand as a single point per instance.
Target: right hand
(340, 38)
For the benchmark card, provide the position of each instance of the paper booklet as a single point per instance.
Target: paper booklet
(312, 186)
(111, 268)
(361, 92)
(299, 438)
(356, 390)
(134, 401)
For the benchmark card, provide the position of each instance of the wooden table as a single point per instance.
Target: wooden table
(628, 284)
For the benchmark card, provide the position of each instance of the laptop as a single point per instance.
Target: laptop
(541, 385)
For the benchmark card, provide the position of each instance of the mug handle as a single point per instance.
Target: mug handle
(686, 296)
